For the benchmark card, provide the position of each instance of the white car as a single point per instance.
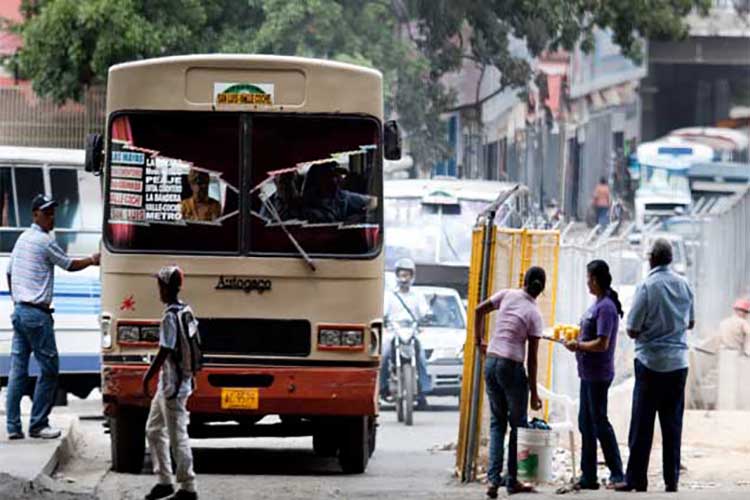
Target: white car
(442, 335)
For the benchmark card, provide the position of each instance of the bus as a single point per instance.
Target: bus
(664, 186)
(728, 145)
(59, 173)
(261, 176)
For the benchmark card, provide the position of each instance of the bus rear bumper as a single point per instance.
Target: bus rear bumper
(306, 391)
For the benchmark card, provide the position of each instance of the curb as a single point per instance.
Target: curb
(64, 451)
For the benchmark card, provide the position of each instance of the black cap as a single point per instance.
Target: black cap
(42, 202)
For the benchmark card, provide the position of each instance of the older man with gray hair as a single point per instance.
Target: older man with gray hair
(661, 314)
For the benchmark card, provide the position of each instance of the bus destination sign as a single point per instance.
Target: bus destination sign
(244, 93)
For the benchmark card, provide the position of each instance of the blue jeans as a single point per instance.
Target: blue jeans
(32, 333)
(602, 216)
(594, 425)
(424, 382)
(508, 395)
(662, 393)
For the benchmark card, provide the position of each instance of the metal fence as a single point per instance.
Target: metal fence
(717, 240)
(27, 120)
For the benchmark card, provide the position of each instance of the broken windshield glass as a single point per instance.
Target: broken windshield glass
(324, 199)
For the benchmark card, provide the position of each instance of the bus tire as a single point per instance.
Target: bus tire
(354, 447)
(409, 393)
(372, 434)
(324, 443)
(127, 439)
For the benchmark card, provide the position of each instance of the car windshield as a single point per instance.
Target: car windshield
(445, 311)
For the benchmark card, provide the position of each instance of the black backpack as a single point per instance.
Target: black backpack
(187, 354)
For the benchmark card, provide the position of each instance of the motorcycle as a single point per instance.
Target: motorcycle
(402, 381)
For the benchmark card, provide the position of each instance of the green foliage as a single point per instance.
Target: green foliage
(70, 44)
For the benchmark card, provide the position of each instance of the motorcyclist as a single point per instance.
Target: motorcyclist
(405, 304)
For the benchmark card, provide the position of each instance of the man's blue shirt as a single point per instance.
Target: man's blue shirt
(662, 309)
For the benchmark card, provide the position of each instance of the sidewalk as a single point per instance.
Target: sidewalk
(31, 459)
(28, 458)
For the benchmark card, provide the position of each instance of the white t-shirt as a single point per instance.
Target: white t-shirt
(395, 311)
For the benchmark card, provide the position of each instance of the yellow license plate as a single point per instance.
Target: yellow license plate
(239, 399)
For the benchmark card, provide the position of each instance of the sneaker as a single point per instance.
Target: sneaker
(46, 433)
(184, 495)
(15, 435)
(160, 491)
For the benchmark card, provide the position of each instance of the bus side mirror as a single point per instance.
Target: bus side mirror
(94, 153)
(392, 140)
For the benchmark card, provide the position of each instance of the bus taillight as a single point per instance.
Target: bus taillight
(341, 337)
(137, 332)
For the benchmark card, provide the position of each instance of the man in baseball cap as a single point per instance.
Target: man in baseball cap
(31, 278)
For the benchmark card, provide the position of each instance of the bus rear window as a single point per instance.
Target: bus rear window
(172, 184)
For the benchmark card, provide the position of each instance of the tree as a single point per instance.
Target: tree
(70, 44)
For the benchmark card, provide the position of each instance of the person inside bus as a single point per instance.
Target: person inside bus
(518, 322)
(405, 304)
(286, 200)
(323, 199)
(199, 206)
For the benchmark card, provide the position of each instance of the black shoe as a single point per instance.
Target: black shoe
(629, 487)
(492, 490)
(422, 404)
(184, 495)
(16, 435)
(671, 488)
(160, 491)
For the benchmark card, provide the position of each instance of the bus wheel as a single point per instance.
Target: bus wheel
(127, 437)
(324, 443)
(354, 451)
(371, 434)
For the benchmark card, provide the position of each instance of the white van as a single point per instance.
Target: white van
(59, 173)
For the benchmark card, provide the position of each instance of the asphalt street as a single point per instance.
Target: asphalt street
(409, 462)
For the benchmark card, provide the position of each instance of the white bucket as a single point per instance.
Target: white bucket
(535, 450)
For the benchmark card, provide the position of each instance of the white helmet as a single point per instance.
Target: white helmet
(405, 264)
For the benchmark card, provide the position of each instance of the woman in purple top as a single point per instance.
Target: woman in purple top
(518, 322)
(595, 351)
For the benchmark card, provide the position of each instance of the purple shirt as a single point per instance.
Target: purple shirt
(517, 319)
(601, 320)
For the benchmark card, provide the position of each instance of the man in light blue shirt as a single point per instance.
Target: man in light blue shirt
(661, 314)
(31, 278)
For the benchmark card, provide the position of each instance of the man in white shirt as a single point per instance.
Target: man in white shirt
(405, 304)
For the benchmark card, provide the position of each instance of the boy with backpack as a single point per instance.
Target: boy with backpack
(177, 362)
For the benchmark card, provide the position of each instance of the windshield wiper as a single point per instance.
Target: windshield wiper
(272, 210)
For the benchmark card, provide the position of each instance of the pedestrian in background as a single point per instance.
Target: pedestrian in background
(518, 322)
(659, 318)
(734, 331)
(31, 280)
(166, 427)
(601, 201)
(595, 353)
